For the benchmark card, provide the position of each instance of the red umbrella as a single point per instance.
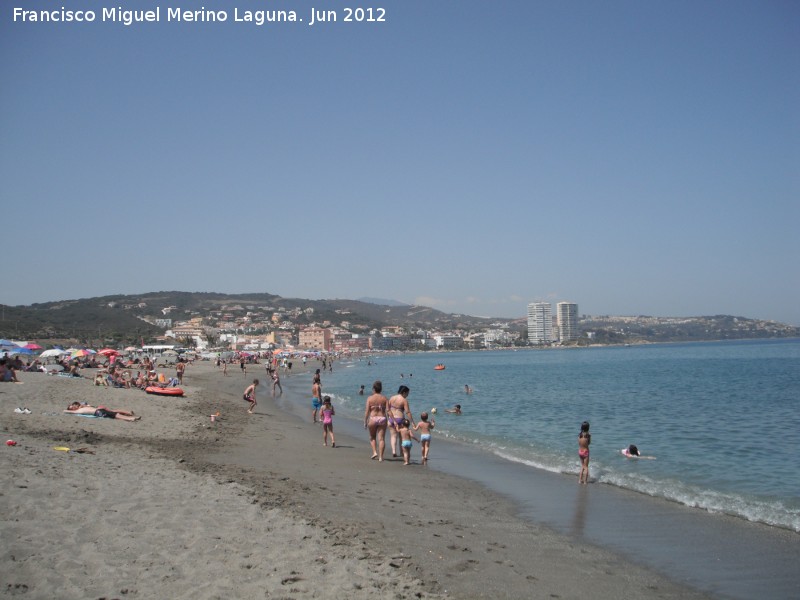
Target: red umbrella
(108, 351)
(33, 346)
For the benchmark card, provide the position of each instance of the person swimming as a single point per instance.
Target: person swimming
(631, 451)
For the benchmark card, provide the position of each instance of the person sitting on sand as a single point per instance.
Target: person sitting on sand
(7, 372)
(76, 408)
(456, 410)
(140, 381)
(120, 381)
(99, 379)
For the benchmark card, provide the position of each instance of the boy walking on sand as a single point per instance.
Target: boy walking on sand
(425, 427)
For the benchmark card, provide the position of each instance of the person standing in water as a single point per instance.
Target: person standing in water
(584, 439)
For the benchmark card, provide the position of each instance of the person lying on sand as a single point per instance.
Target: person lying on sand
(76, 408)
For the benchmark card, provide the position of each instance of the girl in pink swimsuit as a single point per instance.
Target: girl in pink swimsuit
(584, 439)
(327, 420)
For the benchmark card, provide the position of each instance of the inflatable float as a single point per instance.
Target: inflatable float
(164, 391)
(439, 367)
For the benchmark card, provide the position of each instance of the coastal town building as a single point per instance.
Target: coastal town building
(540, 323)
(444, 340)
(315, 338)
(567, 318)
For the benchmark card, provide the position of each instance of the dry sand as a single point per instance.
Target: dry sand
(174, 506)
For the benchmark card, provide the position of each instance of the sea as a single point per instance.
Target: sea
(720, 421)
(714, 503)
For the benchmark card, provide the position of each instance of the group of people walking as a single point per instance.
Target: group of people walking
(381, 413)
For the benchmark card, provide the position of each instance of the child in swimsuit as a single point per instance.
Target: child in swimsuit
(405, 436)
(584, 439)
(327, 420)
(425, 437)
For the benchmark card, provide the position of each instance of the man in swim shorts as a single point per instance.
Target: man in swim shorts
(76, 408)
(316, 396)
(250, 396)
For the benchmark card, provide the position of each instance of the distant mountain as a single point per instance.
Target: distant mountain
(382, 302)
(129, 319)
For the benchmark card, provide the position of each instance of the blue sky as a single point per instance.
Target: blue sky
(633, 157)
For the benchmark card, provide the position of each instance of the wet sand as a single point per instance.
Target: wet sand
(255, 506)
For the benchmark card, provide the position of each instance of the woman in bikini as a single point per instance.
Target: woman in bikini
(398, 410)
(375, 420)
(584, 439)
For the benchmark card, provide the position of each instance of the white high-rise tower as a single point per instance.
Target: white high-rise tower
(540, 323)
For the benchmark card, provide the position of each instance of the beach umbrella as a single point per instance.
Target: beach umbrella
(132, 349)
(107, 351)
(53, 352)
(80, 352)
(33, 346)
(7, 344)
(21, 350)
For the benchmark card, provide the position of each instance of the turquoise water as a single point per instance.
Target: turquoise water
(721, 419)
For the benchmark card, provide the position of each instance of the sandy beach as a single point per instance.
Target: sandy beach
(175, 506)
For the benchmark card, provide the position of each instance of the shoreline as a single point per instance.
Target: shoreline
(667, 536)
(174, 506)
